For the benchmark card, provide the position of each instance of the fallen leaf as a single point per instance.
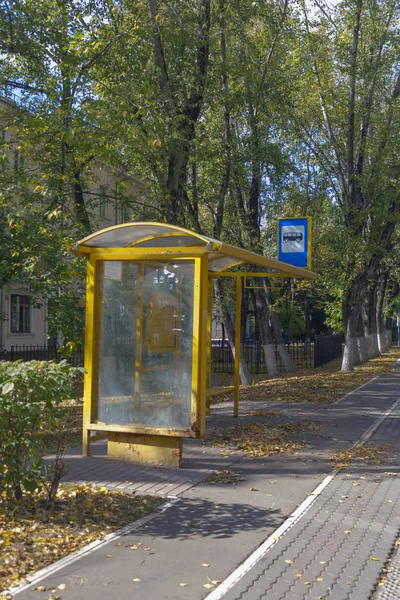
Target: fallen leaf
(136, 579)
(62, 586)
(289, 562)
(208, 585)
(183, 584)
(205, 565)
(135, 546)
(40, 588)
(373, 558)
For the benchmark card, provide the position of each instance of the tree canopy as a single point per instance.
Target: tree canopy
(233, 113)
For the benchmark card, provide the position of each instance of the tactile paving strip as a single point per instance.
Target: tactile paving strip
(391, 588)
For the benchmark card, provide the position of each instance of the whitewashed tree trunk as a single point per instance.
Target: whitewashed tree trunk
(270, 359)
(350, 354)
(262, 314)
(245, 376)
(362, 349)
(372, 345)
(369, 311)
(351, 309)
(380, 322)
(382, 341)
(287, 361)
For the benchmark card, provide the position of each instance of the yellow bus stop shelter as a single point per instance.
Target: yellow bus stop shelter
(148, 334)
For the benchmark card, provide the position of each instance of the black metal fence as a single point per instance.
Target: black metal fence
(222, 361)
(26, 353)
(327, 348)
(305, 355)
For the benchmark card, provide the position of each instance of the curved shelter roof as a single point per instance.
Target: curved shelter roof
(161, 236)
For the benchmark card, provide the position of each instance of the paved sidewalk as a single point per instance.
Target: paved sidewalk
(336, 549)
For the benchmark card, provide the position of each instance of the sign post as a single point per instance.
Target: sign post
(294, 241)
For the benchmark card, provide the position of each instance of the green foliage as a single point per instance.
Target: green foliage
(31, 397)
(231, 120)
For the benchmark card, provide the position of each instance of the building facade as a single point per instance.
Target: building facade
(24, 321)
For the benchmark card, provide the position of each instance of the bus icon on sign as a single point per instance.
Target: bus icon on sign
(292, 236)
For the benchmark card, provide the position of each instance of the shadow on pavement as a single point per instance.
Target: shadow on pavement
(206, 519)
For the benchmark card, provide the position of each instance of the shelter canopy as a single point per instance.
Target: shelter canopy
(165, 238)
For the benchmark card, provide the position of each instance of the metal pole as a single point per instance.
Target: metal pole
(237, 346)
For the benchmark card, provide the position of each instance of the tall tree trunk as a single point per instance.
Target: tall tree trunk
(361, 343)
(287, 361)
(245, 376)
(183, 118)
(261, 315)
(380, 323)
(388, 331)
(351, 312)
(369, 322)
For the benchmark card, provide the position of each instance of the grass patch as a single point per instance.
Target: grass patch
(319, 386)
(33, 537)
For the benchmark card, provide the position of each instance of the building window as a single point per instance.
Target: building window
(20, 314)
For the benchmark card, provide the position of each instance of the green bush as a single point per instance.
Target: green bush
(31, 402)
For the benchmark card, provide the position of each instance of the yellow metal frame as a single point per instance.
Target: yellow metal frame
(92, 344)
(203, 255)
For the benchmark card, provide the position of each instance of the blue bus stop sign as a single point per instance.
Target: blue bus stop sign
(294, 241)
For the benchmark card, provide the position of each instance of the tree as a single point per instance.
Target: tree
(346, 112)
(55, 137)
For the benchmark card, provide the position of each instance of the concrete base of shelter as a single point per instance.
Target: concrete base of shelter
(157, 450)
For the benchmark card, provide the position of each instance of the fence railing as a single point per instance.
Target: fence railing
(305, 355)
(327, 348)
(222, 361)
(26, 353)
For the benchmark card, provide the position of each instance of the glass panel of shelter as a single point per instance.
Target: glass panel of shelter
(145, 370)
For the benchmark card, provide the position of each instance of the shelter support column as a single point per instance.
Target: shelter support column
(90, 387)
(209, 342)
(236, 382)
